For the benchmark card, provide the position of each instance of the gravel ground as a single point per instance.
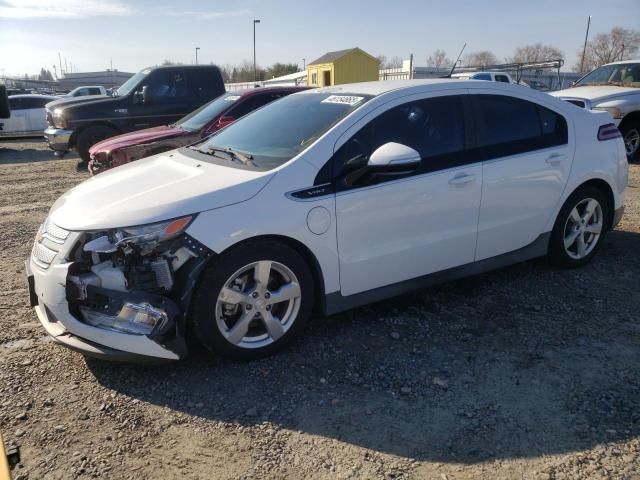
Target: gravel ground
(527, 372)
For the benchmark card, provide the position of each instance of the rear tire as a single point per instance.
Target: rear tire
(253, 300)
(90, 136)
(580, 228)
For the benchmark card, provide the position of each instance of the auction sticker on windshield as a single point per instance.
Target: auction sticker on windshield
(343, 99)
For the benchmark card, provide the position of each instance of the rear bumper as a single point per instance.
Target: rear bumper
(58, 139)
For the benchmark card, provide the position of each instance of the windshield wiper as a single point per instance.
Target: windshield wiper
(230, 154)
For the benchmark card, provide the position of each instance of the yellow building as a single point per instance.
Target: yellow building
(344, 66)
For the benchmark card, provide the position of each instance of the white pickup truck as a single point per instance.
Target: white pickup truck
(614, 88)
(489, 76)
(87, 90)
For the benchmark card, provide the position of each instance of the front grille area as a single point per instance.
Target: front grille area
(48, 243)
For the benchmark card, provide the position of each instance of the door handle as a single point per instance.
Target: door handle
(554, 158)
(462, 179)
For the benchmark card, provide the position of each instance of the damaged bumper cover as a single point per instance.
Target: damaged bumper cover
(132, 326)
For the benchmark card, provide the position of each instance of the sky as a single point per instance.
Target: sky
(139, 33)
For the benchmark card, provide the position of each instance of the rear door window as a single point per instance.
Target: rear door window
(16, 104)
(502, 78)
(482, 76)
(508, 125)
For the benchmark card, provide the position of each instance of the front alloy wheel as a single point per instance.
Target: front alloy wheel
(632, 142)
(252, 300)
(258, 304)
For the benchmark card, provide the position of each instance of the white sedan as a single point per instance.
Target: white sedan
(328, 199)
(28, 117)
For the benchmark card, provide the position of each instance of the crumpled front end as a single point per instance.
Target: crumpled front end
(116, 294)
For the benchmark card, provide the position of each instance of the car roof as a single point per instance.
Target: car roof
(381, 87)
(637, 60)
(264, 90)
(89, 86)
(32, 95)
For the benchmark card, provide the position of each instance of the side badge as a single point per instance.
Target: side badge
(318, 220)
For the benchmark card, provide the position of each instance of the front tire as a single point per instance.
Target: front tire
(580, 227)
(90, 136)
(631, 136)
(253, 300)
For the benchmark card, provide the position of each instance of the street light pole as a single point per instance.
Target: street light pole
(584, 49)
(255, 77)
(197, 48)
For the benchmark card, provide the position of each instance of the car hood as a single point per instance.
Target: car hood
(596, 93)
(154, 189)
(137, 138)
(68, 101)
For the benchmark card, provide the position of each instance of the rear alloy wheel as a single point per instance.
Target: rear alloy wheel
(579, 228)
(631, 137)
(253, 300)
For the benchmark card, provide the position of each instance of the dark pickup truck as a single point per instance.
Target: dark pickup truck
(153, 96)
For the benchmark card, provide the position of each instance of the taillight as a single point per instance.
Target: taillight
(608, 132)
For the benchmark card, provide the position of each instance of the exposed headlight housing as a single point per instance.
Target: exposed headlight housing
(614, 111)
(150, 234)
(134, 318)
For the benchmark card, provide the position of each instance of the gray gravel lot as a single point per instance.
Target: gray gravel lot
(527, 372)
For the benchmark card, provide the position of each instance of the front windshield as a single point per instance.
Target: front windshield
(203, 115)
(130, 84)
(279, 131)
(623, 74)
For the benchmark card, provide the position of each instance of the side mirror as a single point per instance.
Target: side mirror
(394, 157)
(146, 94)
(5, 112)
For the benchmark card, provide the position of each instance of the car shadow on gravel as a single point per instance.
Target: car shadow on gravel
(521, 362)
(9, 154)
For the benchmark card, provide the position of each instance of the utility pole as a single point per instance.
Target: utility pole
(55, 73)
(304, 64)
(255, 77)
(60, 61)
(197, 48)
(584, 49)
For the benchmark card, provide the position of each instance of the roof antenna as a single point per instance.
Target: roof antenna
(456, 62)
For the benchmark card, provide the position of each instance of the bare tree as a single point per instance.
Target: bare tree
(383, 60)
(395, 62)
(439, 59)
(537, 52)
(480, 59)
(619, 44)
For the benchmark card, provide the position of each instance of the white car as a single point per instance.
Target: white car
(28, 117)
(613, 88)
(330, 198)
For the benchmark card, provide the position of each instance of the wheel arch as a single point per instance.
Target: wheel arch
(307, 255)
(73, 140)
(630, 117)
(606, 190)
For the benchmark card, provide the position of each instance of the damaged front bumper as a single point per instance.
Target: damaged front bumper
(50, 289)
